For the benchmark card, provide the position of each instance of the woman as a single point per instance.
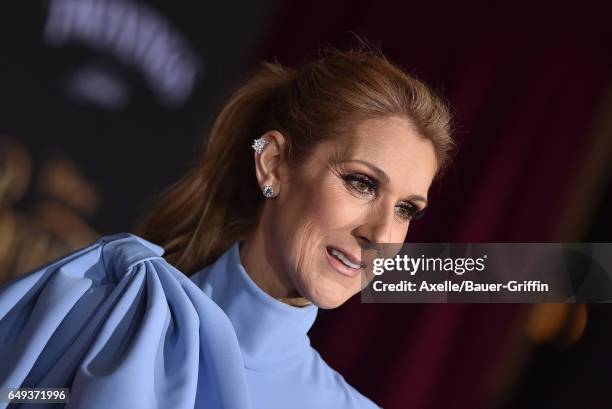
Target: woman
(303, 169)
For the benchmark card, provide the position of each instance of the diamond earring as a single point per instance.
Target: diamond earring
(268, 191)
(259, 144)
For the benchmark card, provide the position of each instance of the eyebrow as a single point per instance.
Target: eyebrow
(385, 178)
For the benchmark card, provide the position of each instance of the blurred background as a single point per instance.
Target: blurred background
(103, 103)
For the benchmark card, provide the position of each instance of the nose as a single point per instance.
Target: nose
(379, 226)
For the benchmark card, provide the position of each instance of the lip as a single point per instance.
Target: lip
(339, 266)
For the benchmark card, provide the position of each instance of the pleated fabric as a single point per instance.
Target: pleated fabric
(121, 328)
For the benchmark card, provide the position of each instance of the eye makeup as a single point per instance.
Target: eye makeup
(411, 211)
(361, 184)
(364, 185)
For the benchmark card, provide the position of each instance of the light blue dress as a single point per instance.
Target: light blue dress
(122, 328)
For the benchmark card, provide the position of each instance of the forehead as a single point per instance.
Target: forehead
(393, 145)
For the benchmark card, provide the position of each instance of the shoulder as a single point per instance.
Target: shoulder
(114, 268)
(330, 376)
(120, 253)
(311, 383)
(102, 261)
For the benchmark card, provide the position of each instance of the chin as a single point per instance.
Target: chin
(325, 287)
(328, 304)
(327, 300)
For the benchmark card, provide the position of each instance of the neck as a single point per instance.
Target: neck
(262, 263)
(271, 334)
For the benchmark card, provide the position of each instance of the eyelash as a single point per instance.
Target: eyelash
(372, 186)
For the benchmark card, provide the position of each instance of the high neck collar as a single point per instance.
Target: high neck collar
(270, 333)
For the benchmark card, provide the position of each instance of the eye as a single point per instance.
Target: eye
(408, 211)
(361, 184)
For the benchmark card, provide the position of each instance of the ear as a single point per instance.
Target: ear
(270, 164)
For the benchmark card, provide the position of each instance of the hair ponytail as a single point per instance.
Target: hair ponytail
(217, 202)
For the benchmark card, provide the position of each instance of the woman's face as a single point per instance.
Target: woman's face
(326, 212)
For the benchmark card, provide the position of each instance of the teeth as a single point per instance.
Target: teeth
(340, 256)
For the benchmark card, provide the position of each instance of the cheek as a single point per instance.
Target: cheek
(318, 214)
(334, 208)
(401, 233)
(310, 219)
